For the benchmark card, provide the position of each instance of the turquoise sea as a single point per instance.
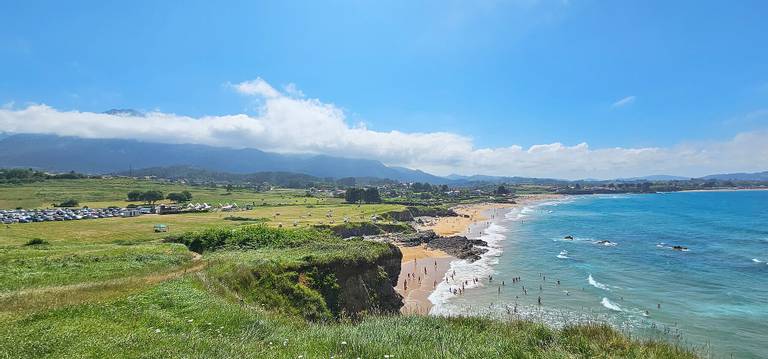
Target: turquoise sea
(712, 296)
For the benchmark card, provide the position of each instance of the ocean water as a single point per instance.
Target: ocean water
(712, 297)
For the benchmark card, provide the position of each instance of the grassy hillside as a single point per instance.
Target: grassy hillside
(183, 318)
(113, 287)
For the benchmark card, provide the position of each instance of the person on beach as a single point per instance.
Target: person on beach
(539, 300)
(499, 289)
(502, 283)
(405, 284)
(558, 282)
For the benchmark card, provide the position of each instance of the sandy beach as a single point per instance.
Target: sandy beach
(421, 284)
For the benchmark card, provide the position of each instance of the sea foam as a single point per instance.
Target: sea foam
(597, 284)
(467, 271)
(610, 305)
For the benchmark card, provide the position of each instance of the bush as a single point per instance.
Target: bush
(69, 203)
(247, 237)
(238, 218)
(36, 242)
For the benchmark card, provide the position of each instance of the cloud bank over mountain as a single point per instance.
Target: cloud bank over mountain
(287, 122)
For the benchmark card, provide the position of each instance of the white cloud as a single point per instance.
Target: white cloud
(624, 102)
(257, 87)
(290, 124)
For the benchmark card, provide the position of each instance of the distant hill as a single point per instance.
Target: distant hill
(757, 176)
(654, 178)
(283, 179)
(101, 156)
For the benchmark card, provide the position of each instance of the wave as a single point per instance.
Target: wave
(597, 284)
(757, 260)
(610, 305)
(563, 255)
(606, 243)
(467, 271)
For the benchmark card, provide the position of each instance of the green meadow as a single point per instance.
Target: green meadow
(115, 288)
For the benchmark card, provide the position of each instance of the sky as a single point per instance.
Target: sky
(567, 89)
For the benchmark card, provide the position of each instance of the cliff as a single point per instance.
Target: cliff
(304, 272)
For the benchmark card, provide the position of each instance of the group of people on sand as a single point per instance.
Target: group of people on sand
(417, 277)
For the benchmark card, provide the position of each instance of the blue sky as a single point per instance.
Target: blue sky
(629, 74)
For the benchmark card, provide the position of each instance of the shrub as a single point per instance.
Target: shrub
(36, 242)
(69, 203)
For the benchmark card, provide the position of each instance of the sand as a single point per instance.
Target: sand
(436, 262)
(421, 283)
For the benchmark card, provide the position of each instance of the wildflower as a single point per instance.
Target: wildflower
(190, 321)
(343, 343)
(157, 330)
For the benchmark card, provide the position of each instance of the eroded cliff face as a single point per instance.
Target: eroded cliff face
(367, 287)
(317, 289)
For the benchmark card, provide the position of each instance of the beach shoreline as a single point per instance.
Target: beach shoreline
(423, 269)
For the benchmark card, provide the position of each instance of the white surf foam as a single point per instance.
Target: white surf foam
(610, 305)
(757, 260)
(597, 284)
(466, 271)
(563, 255)
(606, 243)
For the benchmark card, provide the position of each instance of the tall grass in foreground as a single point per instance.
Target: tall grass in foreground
(185, 318)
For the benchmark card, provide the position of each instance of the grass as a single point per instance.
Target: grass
(112, 287)
(54, 264)
(185, 318)
(99, 193)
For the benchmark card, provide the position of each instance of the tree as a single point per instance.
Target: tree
(152, 196)
(371, 195)
(501, 190)
(177, 197)
(353, 195)
(134, 196)
(187, 194)
(229, 188)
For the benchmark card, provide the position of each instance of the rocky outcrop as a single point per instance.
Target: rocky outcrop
(361, 229)
(409, 213)
(460, 247)
(457, 246)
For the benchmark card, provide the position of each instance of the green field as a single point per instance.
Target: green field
(99, 193)
(114, 287)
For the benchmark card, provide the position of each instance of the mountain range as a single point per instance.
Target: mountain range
(102, 156)
(99, 156)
